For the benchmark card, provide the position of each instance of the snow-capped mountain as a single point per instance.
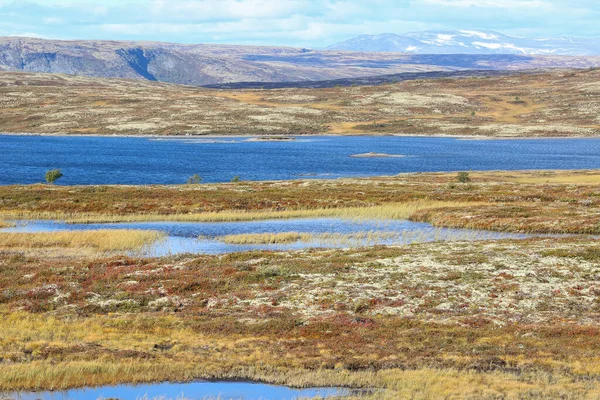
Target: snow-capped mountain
(470, 42)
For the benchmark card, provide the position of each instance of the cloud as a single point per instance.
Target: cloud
(203, 10)
(310, 23)
(489, 3)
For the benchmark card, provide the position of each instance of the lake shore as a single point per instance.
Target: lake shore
(325, 134)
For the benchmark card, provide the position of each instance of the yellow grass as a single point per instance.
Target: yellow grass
(391, 211)
(291, 237)
(577, 177)
(265, 238)
(101, 240)
(4, 224)
(591, 179)
(35, 333)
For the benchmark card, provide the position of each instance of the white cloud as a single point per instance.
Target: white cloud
(314, 23)
(488, 45)
(203, 10)
(489, 3)
(53, 20)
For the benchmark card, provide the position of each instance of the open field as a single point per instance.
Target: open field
(558, 103)
(504, 319)
(497, 319)
(509, 319)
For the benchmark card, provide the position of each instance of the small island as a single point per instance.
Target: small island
(272, 139)
(377, 155)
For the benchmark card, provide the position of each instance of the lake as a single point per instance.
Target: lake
(125, 160)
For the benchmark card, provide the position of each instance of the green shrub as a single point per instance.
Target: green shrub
(53, 175)
(194, 180)
(463, 177)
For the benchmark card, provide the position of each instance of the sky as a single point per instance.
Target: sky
(299, 23)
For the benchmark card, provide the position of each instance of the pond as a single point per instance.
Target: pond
(185, 391)
(209, 237)
(126, 160)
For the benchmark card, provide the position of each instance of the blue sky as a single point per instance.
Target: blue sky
(309, 23)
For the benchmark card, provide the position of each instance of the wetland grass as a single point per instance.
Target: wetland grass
(389, 211)
(100, 240)
(323, 238)
(266, 238)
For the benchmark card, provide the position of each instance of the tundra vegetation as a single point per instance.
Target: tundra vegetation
(556, 103)
(494, 319)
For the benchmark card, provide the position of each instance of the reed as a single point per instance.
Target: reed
(291, 237)
(425, 383)
(100, 240)
(369, 238)
(389, 211)
(4, 224)
(265, 238)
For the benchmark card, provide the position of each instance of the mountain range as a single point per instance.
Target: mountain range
(470, 42)
(209, 64)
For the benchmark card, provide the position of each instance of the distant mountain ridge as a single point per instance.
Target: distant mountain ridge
(210, 64)
(470, 42)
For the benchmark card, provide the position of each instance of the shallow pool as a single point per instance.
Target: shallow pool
(207, 237)
(187, 391)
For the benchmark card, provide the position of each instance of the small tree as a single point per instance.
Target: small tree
(463, 177)
(194, 179)
(236, 178)
(53, 175)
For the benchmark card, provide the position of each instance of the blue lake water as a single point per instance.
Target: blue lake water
(187, 391)
(112, 160)
(203, 237)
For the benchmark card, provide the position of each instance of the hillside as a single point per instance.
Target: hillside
(201, 65)
(558, 103)
(470, 42)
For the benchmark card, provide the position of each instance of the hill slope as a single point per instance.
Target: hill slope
(558, 103)
(200, 65)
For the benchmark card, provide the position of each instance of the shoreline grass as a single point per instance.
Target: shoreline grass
(101, 240)
(4, 224)
(324, 238)
(117, 349)
(493, 201)
(389, 211)
(266, 238)
(424, 383)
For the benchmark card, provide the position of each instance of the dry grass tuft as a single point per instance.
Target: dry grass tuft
(266, 238)
(100, 240)
(324, 238)
(388, 211)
